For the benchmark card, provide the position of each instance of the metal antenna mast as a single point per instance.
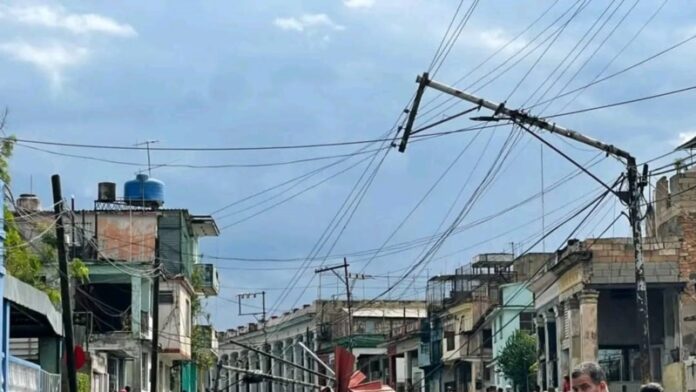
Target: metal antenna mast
(631, 197)
(147, 146)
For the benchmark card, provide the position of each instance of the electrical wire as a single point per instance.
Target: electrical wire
(626, 102)
(598, 80)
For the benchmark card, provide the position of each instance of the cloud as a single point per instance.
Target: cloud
(495, 39)
(59, 18)
(51, 59)
(684, 137)
(359, 3)
(307, 22)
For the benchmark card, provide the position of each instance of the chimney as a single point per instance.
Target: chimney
(28, 202)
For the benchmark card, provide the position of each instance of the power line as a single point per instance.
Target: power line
(619, 72)
(620, 103)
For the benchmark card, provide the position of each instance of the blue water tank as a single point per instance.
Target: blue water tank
(144, 191)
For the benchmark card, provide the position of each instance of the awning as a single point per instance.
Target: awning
(33, 314)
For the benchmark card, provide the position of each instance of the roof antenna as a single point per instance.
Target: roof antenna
(147, 146)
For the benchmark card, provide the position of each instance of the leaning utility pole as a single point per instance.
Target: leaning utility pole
(64, 284)
(631, 197)
(346, 281)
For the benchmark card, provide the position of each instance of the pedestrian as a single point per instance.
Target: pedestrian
(127, 388)
(652, 387)
(589, 377)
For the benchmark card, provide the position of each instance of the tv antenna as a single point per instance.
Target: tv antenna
(147, 146)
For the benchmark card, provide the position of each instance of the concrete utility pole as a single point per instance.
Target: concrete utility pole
(346, 281)
(631, 197)
(154, 358)
(64, 284)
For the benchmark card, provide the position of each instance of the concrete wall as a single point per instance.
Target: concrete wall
(175, 321)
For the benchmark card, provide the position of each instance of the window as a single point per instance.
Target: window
(527, 322)
(487, 339)
(620, 363)
(166, 297)
(187, 319)
(370, 326)
(449, 337)
(145, 377)
(612, 362)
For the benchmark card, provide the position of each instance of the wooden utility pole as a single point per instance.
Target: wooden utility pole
(631, 198)
(346, 281)
(154, 366)
(64, 284)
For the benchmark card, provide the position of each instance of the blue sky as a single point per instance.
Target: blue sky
(250, 73)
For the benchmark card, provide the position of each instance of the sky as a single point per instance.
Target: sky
(249, 73)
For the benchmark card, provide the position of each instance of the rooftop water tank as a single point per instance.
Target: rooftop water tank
(106, 192)
(144, 191)
(28, 202)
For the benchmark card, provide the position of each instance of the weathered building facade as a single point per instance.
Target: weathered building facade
(586, 302)
(122, 244)
(321, 327)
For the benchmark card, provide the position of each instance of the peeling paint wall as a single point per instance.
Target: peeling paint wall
(127, 236)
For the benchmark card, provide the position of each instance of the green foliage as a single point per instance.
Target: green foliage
(517, 358)
(83, 382)
(6, 148)
(200, 339)
(27, 261)
(79, 270)
(200, 347)
(20, 262)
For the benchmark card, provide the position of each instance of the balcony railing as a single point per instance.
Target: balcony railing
(27, 376)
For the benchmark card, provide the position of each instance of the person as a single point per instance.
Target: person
(566, 384)
(127, 388)
(589, 377)
(652, 387)
(500, 389)
(537, 388)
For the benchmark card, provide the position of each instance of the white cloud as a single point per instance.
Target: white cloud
(59, 18)
(51, 59)
(307, 22)
(495, 39)
(684, 137)
(359, 3)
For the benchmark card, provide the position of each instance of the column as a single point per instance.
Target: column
(588, 327)
(409, 370)
(561, 365)
(548, 319)
(298, 359)
(573, 315)
(289, 371)
(306, 376)
(277, 365)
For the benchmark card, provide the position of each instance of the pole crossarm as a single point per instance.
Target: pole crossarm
(517, 115)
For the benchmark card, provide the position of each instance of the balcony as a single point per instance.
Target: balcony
(210, 281)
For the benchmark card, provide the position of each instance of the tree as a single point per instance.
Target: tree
(517, 358)
(27, 260)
